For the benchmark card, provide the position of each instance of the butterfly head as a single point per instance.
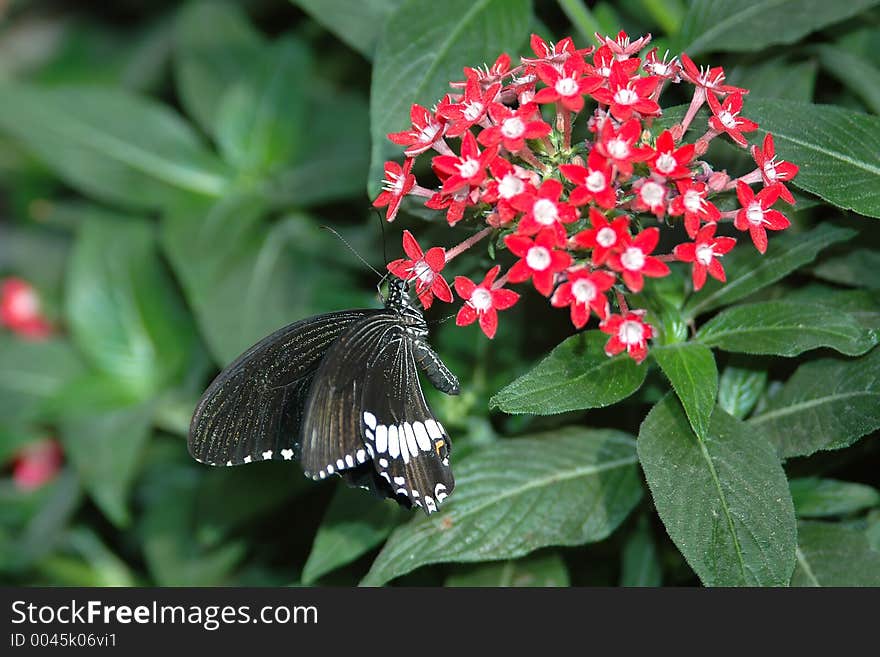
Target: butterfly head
(399, 301)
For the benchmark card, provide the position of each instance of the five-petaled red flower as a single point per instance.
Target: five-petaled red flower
(424, 268)
(692, 203)
(397, 183)
(707, 79)
(543, 210)
(604, 237)
(619, 145)
(594, 182)
(704, 252)
(650, 197)
(471, 109)
(483, 301)
(669, 161)
(539, 260)
(628, 332)
(584, 290)
(513, 127)
(625, 95)
(726, 118)
(634, 261)
(756, 216)
(425, 131)
(774, 171)
(567, 87)
(466, 170)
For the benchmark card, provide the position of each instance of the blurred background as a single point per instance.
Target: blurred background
(165, 168)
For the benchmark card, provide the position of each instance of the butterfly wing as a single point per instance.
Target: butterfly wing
(253, 410)
(366, 408)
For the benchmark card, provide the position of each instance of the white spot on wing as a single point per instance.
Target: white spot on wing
(429, 504)
(440, 492)
(410, 440)
(340, 464)
(422, 436)
(349, 461)
(369, 419)
(287, 454)
(361, 456)
(267, 454)
(433, 429)
(400, 481)
(383, 463)
(393, 445)
(381, 439)
(247, 459)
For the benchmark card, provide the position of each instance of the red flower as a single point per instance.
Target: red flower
(467, 170)
(513, 127)
(488, 75)
(660, 67)
(704, 252)
(483, 302)
(397, 184)
(772, 171)
(20, 310)
(507, 182)
(634, 261)
(692, 202)
(454, 204)
(669, 161)
(584, 290)
(471, 109)
(540, 261)
(544, 210)
(626, 95)
(425, 131)
(726, 118)
(603, 238)
(567, 87)
(594, 181)
(425, 269)
(622, 47)
(37, 464)
(629, 332)
(756, 215)
(650, 197)
(619, 145)
(709, 79)
(554, 53)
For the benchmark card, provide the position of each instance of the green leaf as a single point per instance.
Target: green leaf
(724, 500)
(787, 328)
(690, 367)
(750, 25)
(858, 268)
(31, 374)
(544, 570)
(112, 145)
(832, 555)
(854, 72)
(122, 308)
(105, 449)
(353, 525)
(748, 271)
(424, 46)
(815, 498)
(207, 62)
(641, 564)
(740, 387)
(777, 78)
(261, 118)
(827, 404)
(835, 148)
(567, 487)
(575, 375)
(356, 22)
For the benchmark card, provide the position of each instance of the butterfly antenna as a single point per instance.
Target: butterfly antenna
(382, 237)
(352, 249)
(441, 321)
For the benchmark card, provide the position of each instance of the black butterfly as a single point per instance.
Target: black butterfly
(341, 393)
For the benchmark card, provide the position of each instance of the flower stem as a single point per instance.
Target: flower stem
(621, 302)
(468, 243)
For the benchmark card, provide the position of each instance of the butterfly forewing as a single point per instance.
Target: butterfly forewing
(253, 410)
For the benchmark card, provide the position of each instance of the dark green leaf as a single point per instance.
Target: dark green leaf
(724, 500)
(748, 271)
(112, 145)
(858, 268)
(787, 328)
(750, 25)
(854, 72)
(816, 498)
(831, 555)
(777, 78)
(122, 308)
(544, 570)
(567, 487)
(690, 367)
(354, 524)
(424, 46)
(358, 23)
(826, 404)
(835, 148)
(641, 564)
(740, 387)
(576, 375)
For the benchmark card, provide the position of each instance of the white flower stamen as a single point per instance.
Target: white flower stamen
(606, 237)
(538, 258)
(633, 259)
(631, 332)
(481, 299)
(545, 212)
(584, 290)
(513, 127)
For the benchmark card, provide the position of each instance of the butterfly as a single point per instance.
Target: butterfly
(339, 392)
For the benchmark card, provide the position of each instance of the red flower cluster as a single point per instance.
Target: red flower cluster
(20, 310)
(577, 215)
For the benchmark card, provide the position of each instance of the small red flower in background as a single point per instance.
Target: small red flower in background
(774, 171)
(709, 79)
(691, 202)
(397, 183)
(669, 161)
(593, 182)
(37, 464)
(756, 215)
(425, 131)
(539, 260)
(513, 127)
(628, 332)
(567, 87)
(604, 237)
(634, 261)
(483, 302)
(668, 70)
(727, 119)
(704, 252)
(584, 290)
(544, 211)
(622, 47)
(20, 310)
(466, 170)
(424, 268)
(625, 95)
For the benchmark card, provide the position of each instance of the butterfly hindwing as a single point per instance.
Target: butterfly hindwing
(253, 410)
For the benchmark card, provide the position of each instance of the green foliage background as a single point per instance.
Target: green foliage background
(164, 171)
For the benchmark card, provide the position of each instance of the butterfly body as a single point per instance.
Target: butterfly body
(340, 392)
